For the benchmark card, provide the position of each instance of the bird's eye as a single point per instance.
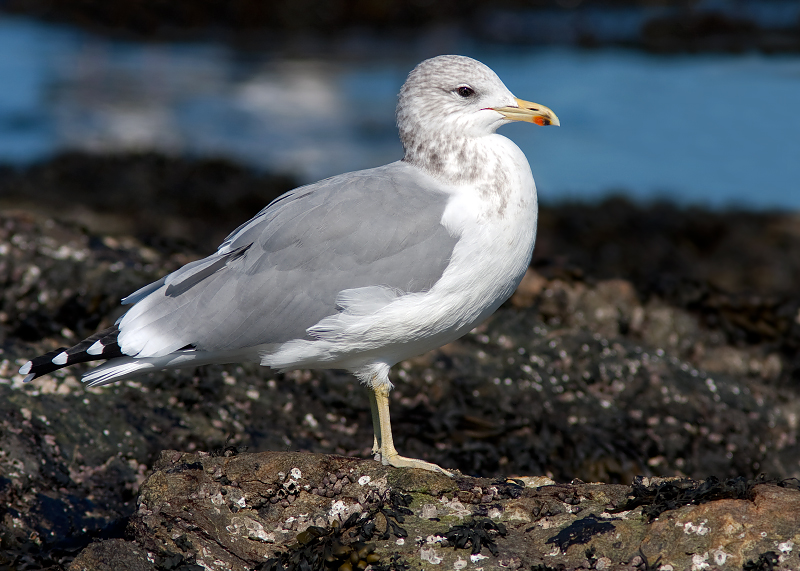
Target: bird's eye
(465, 91)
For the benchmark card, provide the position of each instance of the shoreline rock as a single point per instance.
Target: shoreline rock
(273, 510)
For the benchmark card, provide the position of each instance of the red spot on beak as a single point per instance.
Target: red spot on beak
(541, 121)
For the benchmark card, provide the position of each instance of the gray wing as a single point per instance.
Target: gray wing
(280, 273)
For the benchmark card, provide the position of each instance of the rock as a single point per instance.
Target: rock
(112, 555)
(217, 512)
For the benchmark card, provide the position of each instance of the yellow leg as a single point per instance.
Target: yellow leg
(376, 423)
(383, 435)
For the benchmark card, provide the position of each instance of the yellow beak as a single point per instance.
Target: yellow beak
(529, 112)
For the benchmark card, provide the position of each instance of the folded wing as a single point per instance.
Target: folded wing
(281, 272)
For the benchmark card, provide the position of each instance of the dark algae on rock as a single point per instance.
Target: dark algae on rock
(477, 533)
(343, 545)
(580, 532)
(660, 496)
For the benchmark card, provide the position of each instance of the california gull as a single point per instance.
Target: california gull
(358, 271)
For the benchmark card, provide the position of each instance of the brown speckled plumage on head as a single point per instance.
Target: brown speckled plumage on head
(435, 130)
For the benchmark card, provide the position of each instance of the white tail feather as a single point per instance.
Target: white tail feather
(128, 367)
(117, 370)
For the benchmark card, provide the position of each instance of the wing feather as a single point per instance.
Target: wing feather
(282, 272)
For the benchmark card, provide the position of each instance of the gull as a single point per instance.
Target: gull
(358, 271)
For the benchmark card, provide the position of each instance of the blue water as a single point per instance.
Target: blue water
(714, 130)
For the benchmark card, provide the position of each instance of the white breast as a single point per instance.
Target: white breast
(496, 225)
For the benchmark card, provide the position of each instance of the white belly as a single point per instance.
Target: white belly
(496, 228)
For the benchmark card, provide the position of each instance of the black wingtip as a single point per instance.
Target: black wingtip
(41, 365)
(100, 346)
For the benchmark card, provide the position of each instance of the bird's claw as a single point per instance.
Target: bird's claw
(397, 461)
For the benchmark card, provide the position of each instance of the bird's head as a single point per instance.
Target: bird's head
(449, 98)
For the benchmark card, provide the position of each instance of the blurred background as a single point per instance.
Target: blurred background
(690, 101)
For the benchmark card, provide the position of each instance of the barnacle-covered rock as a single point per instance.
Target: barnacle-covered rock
(388, 520)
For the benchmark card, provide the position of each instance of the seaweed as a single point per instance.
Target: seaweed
(478, 532)
(580, 531)
(344, 546)
(393, 507)
(657, 498)
(510, 488)
(395, 563)
(320, 548)
(765, 562)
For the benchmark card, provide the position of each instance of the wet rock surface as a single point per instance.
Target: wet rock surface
(618, 357)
